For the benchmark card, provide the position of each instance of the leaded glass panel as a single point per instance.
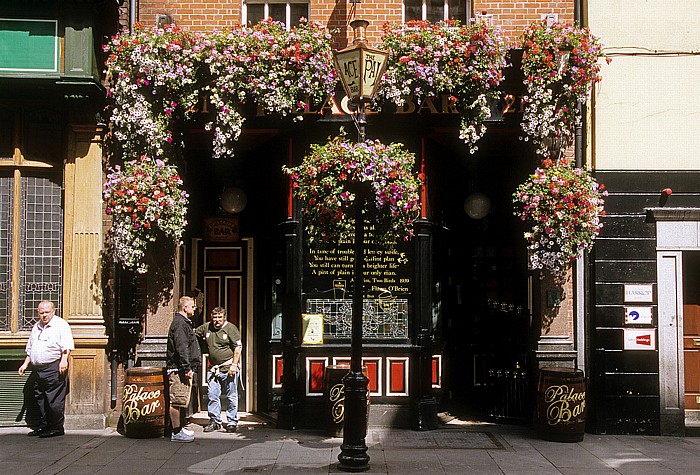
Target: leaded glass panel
(6, 191)
(40, 261)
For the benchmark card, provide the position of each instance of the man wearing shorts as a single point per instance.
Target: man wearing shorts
(183, 359)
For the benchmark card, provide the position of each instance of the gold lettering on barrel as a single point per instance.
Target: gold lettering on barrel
(337, 398)
(564, 404)
(139, 403)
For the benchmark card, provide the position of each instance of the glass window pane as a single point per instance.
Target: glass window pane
(40, 258)
(413, 10)
(278, 12)
(436, 10)
(255, 13)
(6, 130)
(298, 10)
(458, 10)
(6, 187)
(42, 136)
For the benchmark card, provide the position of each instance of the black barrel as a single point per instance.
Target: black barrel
(334, 397)
(143, 402)
(561, 404)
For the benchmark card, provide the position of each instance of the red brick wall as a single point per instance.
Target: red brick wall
(205, 15)
(195, 15)
(514, 16)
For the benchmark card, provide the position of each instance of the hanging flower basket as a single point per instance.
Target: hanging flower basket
(433, 59)
(562, 205)
(155, 76)
(265, 64)
(561, 63)
(146, 201)
(152, 80)
(326, 182)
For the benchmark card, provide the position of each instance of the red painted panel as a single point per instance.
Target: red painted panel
(372, 375)
(279, 367)
(397, 370)
(435, 371)
(222, 259)
(213, 298)
(316, 376)
(233, 296)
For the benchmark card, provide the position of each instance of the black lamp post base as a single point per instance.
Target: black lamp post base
(353, 451)
(353, 458)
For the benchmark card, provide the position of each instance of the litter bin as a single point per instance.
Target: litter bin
(561, 404)
(334, 397)
(143, 402)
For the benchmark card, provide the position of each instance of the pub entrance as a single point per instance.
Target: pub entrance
(482, 284)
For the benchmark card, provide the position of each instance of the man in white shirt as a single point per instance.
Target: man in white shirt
(48, 347)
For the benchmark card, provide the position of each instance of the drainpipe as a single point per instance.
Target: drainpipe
(581, 275)
(132, 14)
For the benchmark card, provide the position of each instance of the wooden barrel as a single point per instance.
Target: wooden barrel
(334, 397)
(143, 402)
(561, 404)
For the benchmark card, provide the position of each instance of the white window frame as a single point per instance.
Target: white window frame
(445, 10)
(266, 9)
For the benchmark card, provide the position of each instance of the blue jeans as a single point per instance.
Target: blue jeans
(229, 385)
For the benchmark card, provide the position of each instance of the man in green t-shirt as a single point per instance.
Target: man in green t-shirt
(223, 342)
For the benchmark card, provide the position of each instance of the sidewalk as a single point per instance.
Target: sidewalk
(455, 448)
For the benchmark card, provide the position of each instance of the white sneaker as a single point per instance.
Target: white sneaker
(187, 431)
(181, 437)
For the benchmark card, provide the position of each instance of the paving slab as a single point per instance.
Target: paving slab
(482, 449)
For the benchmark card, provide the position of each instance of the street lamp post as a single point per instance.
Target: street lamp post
(360, 69)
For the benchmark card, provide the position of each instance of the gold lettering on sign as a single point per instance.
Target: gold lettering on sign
(139, 404)
(564, 404)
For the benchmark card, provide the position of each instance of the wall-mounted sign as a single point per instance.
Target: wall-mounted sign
(636, 339)
(221, 229)
(639, 293)
(312, 329)
(638, 315)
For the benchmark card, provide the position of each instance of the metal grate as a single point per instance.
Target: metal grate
(6, 191)
(12, 407)
(41, 256)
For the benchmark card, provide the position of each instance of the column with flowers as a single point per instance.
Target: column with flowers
(561, 204)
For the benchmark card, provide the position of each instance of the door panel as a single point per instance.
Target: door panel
(691, 332)
(691, 355)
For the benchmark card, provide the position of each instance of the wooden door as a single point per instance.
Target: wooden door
(691, 332)
(223, 271)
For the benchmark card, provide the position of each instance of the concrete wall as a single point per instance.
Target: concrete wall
(646, 108)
